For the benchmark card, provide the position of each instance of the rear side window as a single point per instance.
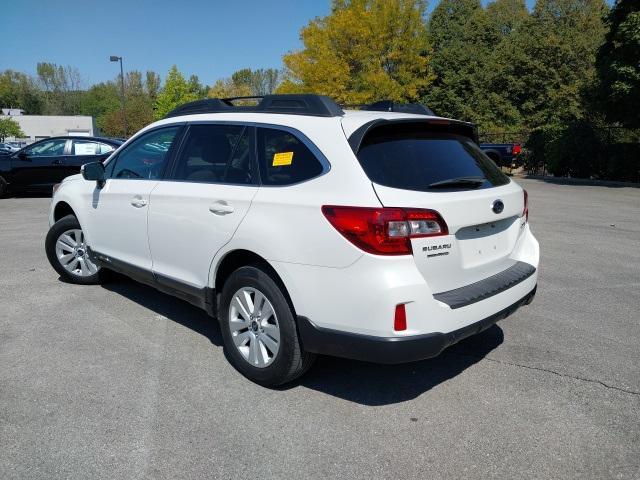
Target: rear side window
(284, 159)
(216, 154)
(410, 157)
(85, 147)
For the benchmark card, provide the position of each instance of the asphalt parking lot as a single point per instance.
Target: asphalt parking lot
(121, 381)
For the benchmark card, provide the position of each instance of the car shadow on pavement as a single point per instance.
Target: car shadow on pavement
(169, 307)
(360, 382)
(28, 195)
(375, 385)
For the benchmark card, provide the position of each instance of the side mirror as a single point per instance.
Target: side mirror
(22, 155)
(93, 171)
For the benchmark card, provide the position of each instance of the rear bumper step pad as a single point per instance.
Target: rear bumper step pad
(476, 292)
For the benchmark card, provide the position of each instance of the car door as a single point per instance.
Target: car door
(39, 166)
(197, 209)
(84, 151)
(117, 223)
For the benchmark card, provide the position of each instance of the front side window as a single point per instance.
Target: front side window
(47, 148)
(284, 159)
(86, 147)
(216, 154)
(146, 157)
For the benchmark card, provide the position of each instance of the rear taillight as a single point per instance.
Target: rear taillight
(517, 148)
(525, 212)
(384, 231)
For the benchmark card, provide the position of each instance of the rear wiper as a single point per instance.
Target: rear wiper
(458, 182)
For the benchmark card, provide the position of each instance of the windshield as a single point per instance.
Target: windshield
(409, 157)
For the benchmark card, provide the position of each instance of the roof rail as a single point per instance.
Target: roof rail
(290, 104)
(391, 106)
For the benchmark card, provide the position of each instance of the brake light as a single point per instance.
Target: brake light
(517, 148)
(384, 231)
(525, 212)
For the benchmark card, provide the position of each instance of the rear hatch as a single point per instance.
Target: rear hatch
(418, 165)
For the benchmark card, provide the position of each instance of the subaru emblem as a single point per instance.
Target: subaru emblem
(498, 206)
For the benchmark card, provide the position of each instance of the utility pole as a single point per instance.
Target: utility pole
(115, 58)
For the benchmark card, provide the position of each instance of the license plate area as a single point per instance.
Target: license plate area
(487, 242)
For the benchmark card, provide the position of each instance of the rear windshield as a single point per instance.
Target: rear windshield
(409, 157)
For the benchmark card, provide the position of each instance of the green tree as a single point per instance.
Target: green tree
(133, 84)
(197, 89)
(9, 128)
(504, 16)
(465, 37)
(618, 65)
(103, 102)
(453, 27)
(549, 61)
(227, 88)
(242, 77)
(246, 82)
(265, 81)
(139, 111)
(138, 106)
(152, 84)
(365, 50)
(174, 93)
(448, 21)
(61, 88)
(18, 90)
(99, 101)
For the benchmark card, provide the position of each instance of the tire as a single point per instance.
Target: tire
(258, 364)
(495, 157)
(4, 188)
(65, 245)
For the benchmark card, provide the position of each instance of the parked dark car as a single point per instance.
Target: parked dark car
(503, 154)
(7, 148)
(39, 166)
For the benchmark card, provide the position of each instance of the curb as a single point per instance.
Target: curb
(580, 181)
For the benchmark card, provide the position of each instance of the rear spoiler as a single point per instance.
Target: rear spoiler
(459, 127)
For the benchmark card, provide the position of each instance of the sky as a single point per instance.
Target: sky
(211, 39)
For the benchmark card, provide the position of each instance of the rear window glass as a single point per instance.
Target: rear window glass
(408, 157)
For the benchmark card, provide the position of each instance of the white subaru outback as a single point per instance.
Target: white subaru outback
(382, 234)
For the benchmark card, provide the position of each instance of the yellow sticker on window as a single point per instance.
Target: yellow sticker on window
(283, 158)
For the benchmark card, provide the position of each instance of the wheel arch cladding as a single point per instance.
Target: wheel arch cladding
(244, 258)
(61, 210)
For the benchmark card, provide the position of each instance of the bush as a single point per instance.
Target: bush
(581, 150)
(538, 148)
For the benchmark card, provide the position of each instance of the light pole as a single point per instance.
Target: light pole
(115, 58)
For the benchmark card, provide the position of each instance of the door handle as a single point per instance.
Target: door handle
(221, 208)
(138, 201)
(57, 162)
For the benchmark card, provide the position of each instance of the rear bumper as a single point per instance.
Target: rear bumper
(393, 350)
(362, 297)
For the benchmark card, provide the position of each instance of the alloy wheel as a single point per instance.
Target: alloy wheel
(254, 327)
(71, 252)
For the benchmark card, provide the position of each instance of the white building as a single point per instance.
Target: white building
(37, 127)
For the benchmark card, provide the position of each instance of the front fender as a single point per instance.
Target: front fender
(73, 191)
(5, 166)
